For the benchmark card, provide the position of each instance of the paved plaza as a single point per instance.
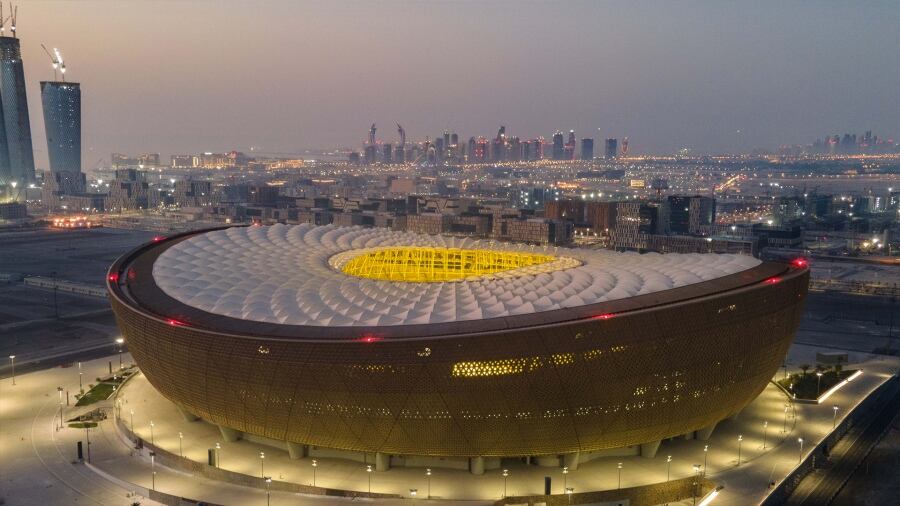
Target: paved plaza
(41, 468)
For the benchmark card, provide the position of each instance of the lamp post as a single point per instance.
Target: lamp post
(565, 473)
(315, 464)
(765, 432)
(80, 374)
(120, 341)
(413, 492)
(180, 444)
(505, 476)
(668, 466)
(132, 422)
(705, 457)
(834, 417)
(262, 464)
(59, 390)
(696, 482)
(152, 441)
(784, 428)
(818, 383)
(268, 493)
(369, 472)
(12, 362)
(219, 455)
(569, 492)
(153, 470)
(800, 458)
(428, 475)
(619, 466)
(740, 439)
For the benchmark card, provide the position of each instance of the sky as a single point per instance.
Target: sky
(715, 76)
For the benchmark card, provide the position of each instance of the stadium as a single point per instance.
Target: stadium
(370, 340)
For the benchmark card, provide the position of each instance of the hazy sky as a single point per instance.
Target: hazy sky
(716, 76)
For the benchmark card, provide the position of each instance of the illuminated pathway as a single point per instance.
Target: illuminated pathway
(41, 470)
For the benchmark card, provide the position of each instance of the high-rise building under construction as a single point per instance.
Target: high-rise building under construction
(16, 155)
(62, 121)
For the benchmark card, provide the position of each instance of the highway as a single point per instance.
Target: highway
(819, 488)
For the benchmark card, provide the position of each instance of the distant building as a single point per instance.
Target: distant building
(636, 221)
(587, 149)
(612, 148)
(689, 214)
(558, 146)
(129, 190)
(570, 146)
(387, 151)
(61, 102)
(16, 154)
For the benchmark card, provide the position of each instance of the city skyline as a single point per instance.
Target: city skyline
(665, 76)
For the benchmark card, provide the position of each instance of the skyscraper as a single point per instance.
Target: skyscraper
(612, 148)
(570, 146)
(61, 102)
(16, 155)
(558, 148)
(587, 149)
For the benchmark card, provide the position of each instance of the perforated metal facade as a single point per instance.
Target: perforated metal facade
(608, 375)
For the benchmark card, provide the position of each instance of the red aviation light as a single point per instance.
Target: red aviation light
(158, 238)
(369, 338)
(175, 323)
(604, 316)
(800, 262)
(114, 277)
(772, 281)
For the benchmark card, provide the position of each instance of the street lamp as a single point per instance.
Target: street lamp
(740, 439)
(818, 383)
(569, 491)
(834, 418)
(765, 432)
(153, 469)
(668, 466)
(262, 464)
(696, 482)
(784, 428)
(369, 472)
(428, 475)
(59, 390)
(413, 492)
(80, 384)
(705, 457)
(152, 441)
(619, 466)
(132, 422)
(268, 493)
(218, 455)
(120, 341)
(315, 464)
(565, 476)
(12, 361)
(800, 440)
(505, 476)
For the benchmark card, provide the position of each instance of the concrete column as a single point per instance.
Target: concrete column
(704, 433)
(571, 460)
(187, 415)
(476, 465)
(648, 450)
(382, 461)
(297, 450)
(228, 434)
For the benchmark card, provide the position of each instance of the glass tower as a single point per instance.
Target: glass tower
(16, 155)
(62, 120)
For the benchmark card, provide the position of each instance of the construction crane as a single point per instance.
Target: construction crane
(13, 11)
(56, 60)
(402, 133)
(372, 135)
(3, 20)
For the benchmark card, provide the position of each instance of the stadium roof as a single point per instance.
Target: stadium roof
(308, 275)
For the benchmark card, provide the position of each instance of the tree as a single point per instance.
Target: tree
(804, 368)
